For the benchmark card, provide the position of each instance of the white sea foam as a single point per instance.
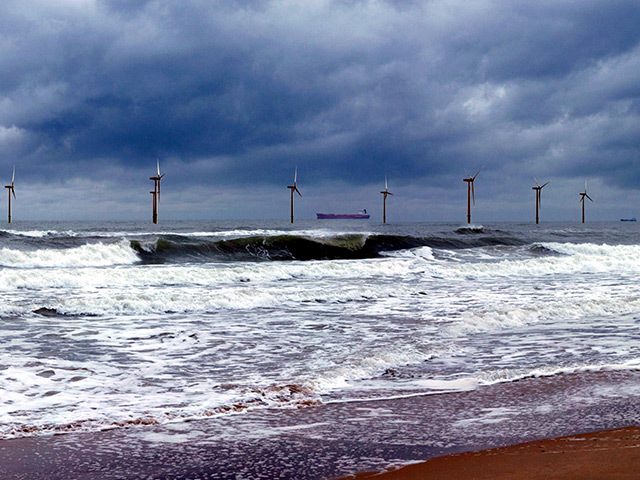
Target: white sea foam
(425, 253)
(141, 289)
(36, 233)
(235, 233)
(574, 259)
(364, 367)
(90, 255)
(472, 227)
(126, 343)
(495, 377)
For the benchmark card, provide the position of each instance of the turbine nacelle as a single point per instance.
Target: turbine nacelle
(538, 188)
(11, 187)
(156, 190)
(585, 194)
(386, 188)
(470, 180)
(294, 187)
(157, 178)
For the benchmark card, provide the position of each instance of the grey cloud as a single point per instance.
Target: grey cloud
(239, 92)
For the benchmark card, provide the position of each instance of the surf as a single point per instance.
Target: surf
(87, 255)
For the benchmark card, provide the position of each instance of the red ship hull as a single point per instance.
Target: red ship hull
(342, 216)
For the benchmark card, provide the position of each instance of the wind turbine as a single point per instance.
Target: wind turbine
(385, 192)
(156, 191)
(582, 195)
(11, 190)
(538, 188)
(294, 188)
(470, 192)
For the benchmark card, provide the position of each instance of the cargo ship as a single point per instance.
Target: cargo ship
(361, 215)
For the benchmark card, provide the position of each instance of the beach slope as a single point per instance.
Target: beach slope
(604, 455)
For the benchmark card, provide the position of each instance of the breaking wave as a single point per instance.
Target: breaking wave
(294, 247)
(88, 255)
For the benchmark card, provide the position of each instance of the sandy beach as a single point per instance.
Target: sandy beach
(603, 455)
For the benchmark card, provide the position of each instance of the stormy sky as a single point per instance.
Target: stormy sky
(232, 95)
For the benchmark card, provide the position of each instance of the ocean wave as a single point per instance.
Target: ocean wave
(470, 229)
(102, 411)
(233, 233)
(559, 258)
(59, 247)
(516, 375)
(89, 255)
(624, 252)
(36, 233)
(295, 247)
(63, 396)
(200, 288)
(69, 419)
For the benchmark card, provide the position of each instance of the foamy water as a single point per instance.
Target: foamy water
(124, 326)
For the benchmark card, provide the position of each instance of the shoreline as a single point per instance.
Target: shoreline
(336, 440)
(603, 455)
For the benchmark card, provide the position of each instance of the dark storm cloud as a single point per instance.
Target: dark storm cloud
(239, 92)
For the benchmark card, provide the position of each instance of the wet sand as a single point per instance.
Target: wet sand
(335, 440)
(604, 455)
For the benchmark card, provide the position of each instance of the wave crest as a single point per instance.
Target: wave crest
(89, 255)
(295, 247)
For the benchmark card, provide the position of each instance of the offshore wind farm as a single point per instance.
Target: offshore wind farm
(469, 180)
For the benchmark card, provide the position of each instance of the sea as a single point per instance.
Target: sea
(330, 346)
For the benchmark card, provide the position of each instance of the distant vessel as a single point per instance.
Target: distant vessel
(362, 214)
(628, 219)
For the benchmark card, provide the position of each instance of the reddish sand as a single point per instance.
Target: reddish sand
(606, 455)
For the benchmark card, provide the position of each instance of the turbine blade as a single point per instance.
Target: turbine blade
(545, 184)
(158, 165)
(295, 175)
(473, 194)
(13, 177)
(540, 198)
(385, 183)
(296, 188)
(589, 197)
(474, 177)
(467, 172)
(13, 190)
(536, 180)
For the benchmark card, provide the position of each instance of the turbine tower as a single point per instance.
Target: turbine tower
(582, 196)
(156, 192)
(538, 188)
(11, 190)
(294, 188)
(385, 192)
(470, 192)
